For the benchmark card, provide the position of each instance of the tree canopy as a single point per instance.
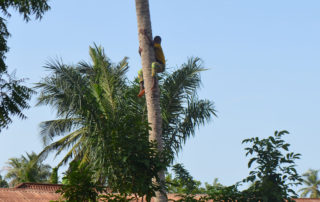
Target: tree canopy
(26, 8)
(13, 95)
(97, 112)
(27, 169)
(275, 174)
(104, 122)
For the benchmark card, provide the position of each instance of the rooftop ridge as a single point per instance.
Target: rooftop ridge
(38, 186)
(27, 190)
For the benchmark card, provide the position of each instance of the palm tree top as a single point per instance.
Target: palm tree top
(27, 169)
(312, 182)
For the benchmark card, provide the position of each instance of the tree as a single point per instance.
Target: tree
(80, 185)
(103, 121)
(13, 98)
(275, 171)
(152, 96)
(183, 182)
(3, 183)
(312, 182)
(99, 110)
(13, 95)
(216, 185)
(54, 178)
(27, 169)
(27, 8)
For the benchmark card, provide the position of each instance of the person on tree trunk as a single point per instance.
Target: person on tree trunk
(156, 67)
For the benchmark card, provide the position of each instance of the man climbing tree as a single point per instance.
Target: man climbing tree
(157, 67)
(152, 96)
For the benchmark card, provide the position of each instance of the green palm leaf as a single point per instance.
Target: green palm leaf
(312, 181)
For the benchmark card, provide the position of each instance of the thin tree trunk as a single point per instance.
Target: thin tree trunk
(152, 96)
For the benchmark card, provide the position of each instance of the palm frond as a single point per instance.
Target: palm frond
(197, 113)
(62, 144)
(53, 128)
(182, 112)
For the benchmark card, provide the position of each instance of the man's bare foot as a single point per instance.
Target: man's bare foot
(141, 93)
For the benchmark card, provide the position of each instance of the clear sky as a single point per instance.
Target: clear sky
(263, 60)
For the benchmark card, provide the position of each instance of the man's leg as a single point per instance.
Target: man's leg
(142, 90)
(156, 68)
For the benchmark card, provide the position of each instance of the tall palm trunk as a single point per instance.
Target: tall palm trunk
(152, 96)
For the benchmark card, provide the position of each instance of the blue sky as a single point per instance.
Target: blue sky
(262, 56)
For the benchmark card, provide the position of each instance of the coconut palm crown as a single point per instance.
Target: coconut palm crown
(312, 181)
(101, 119)
(27, 169)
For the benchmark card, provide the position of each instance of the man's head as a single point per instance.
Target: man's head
(157, 39)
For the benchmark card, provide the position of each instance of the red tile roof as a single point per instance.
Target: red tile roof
(26, 195)
(39, 186)
(27, 192)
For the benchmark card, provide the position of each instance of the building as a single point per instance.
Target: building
(37, 192)
(27, 192)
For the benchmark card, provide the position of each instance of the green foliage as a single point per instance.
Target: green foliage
(27, 8)
(275, 171)
(13, 98)
(13, 95)
(99, 112)
(80, 184)
(186, 183)
(229, 193)
(272, 178)
(212, 188)
(312, 181)
(3, 183)
(54, 176)
(188, 189)
(106, 123)
(183, 184)
(4, 34)
(27, 169)
(182, 110)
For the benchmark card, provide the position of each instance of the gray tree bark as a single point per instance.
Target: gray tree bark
(152, 96)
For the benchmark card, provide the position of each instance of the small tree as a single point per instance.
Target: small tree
(183, 184)
(3, 183)
(54, 176)
(79, 184)
(275, 171)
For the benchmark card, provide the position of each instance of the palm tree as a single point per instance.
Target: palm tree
(152, 96)
(27, 169)
(98, 107)
(312, 181)
(103, 120)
